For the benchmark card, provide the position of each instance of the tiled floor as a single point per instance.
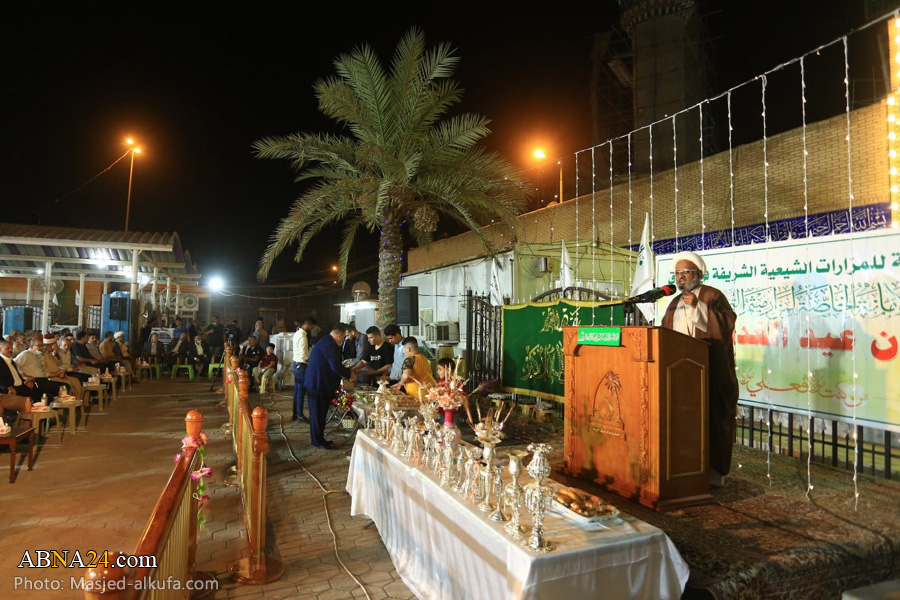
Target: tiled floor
(96, 490)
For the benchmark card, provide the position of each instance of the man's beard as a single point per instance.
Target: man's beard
(688, 286)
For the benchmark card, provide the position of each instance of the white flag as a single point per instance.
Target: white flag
(643, 272)
(496, 290)
(77, 298)
(565, 269)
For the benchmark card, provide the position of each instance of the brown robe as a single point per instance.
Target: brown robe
(723, 385)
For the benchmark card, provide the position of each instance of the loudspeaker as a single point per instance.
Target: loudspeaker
(118, 309)
(406, 306)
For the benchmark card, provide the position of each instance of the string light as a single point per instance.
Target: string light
(630, 256)
(594, 237)
(892, 107)
(675, 176)
(611, 220)
(702, 190)
(807, 303)
(765, 360)
(577, 230)
(652, 235)
(853, 308)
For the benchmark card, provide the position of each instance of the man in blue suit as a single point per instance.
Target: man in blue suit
(323, 378)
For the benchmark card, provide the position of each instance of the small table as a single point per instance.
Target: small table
(126, 379)
(101, 393)
(70, 405)
(111, 382)
(16, 435)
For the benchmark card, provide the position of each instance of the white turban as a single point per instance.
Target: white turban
(691, 257)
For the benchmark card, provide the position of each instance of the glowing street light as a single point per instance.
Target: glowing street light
(216, 284)
(134, 150)
(539, 154)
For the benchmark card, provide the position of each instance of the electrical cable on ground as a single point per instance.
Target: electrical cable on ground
(321, 486)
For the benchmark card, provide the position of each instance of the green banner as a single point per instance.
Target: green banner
(533, 361)
(600, 336)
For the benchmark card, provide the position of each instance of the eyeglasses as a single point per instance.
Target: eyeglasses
(686, 272)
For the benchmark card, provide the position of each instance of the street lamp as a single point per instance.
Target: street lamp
(134, 150)
(541, 155)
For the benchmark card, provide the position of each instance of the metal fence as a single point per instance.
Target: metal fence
(832, 444)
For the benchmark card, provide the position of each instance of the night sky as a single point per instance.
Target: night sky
(196, 88)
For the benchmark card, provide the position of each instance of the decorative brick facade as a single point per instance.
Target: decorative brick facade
(827, 185)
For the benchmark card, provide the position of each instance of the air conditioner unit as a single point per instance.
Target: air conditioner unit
(426, 316)
(444, 331)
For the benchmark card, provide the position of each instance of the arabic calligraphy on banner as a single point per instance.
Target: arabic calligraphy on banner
(809, 317)
(533, 359)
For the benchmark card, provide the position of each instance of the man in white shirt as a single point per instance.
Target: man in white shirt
(392, 333)
(31, 365)
(298, 367)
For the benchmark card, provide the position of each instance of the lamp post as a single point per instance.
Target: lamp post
(541, 155)
(134, 150)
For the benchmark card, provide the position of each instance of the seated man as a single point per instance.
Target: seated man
(92, 350)
(250, 355)
(31, 365)
(14, 403)
(120, 350)
(416, 370)
(155, 352)
(12, 381)
(19, 344)
(68, 361)
(202, 354)
(181, 351)
(54, 369)
(266, 368)
(107, 348)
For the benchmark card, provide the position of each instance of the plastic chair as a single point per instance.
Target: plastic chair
(190, 370)
(213, 366)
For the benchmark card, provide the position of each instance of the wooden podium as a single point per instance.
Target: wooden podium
(636, 418)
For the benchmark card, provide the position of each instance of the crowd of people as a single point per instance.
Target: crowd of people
(36, 365)
(320, 365)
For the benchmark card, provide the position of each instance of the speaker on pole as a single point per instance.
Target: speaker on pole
(406, 306)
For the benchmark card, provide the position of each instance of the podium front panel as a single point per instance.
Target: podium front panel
(636, 415)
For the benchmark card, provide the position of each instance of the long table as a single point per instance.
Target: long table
(444, 548)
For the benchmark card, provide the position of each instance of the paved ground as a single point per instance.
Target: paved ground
(96, 489)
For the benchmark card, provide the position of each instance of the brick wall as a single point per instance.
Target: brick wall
(827, 189)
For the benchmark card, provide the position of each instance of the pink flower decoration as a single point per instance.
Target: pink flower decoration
(203, 438)
(203, 499)
(189, 442)
(203, 472)
(177, 458)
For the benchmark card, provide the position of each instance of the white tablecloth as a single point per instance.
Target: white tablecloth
(444, 548)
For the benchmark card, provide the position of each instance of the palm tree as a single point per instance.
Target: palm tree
(402, 163)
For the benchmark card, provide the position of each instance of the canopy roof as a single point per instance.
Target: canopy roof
(100, 255)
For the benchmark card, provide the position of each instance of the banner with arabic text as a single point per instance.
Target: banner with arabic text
(533, 360)
(818, 322)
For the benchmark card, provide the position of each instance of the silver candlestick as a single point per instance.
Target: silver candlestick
(486, 487)
(537, 496)
(498, 514)
(397, 434)
(514, 494)
(409, 437)
(464, 465)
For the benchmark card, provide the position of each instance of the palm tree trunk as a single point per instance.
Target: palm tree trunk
(390, 260)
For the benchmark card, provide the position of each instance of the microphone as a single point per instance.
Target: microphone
(652, 295)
